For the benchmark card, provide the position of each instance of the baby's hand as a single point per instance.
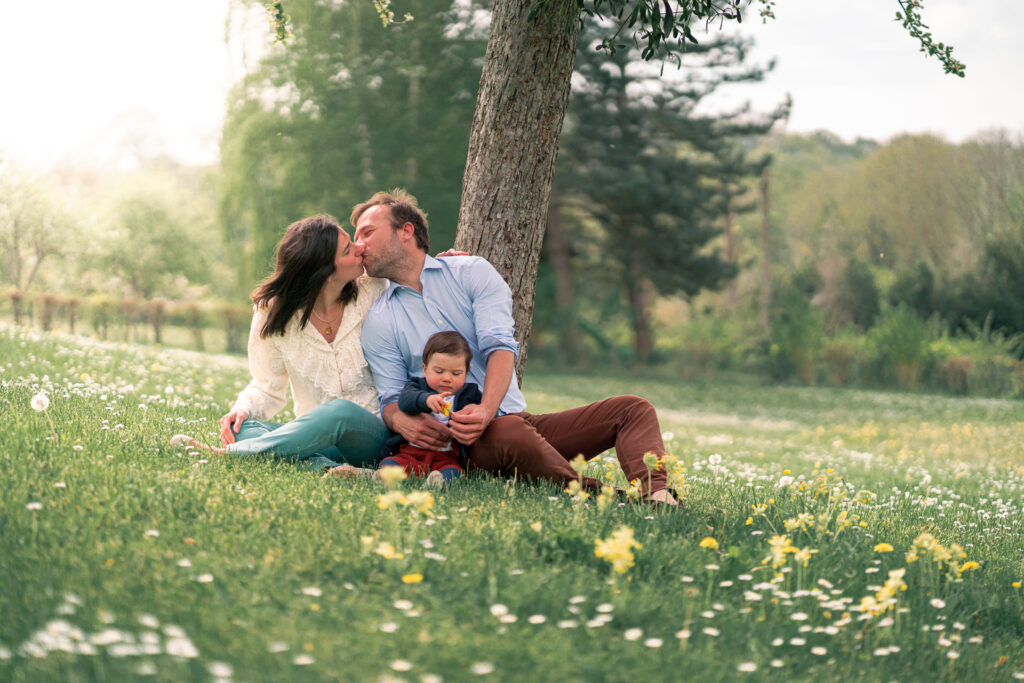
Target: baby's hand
(437, 404)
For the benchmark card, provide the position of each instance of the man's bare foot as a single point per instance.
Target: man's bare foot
(185, 441)
(349, 472)
(663, 497)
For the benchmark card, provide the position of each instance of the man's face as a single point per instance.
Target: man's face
(382, 249)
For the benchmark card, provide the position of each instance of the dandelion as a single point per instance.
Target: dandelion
(883, 548)
(709, 543)
(618, 549)
(41, 403)
(968, 566)
(412, 578)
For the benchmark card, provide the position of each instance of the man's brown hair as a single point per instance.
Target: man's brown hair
(449, 342)
(404, 209)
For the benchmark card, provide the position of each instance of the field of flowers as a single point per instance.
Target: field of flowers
(825, 534)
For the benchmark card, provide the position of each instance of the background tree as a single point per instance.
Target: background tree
(147, 244)
(654, 177)
(34, 227)
(345, 110)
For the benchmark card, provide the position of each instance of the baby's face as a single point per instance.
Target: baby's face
(445, 372)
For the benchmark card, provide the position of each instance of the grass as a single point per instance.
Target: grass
(121, 558)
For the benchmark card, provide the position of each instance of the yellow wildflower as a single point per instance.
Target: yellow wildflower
(421, 500)
(391, 475)
(386, 500)
(576, 490)
(536, 526)
(618, 549)
(606, 497)
(387, 551)
(883, 548)
(651, 460)
(709, 543)
(578, 464)
(412, 578)
(970, 565)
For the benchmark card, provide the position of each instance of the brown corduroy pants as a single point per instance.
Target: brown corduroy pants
(541, 446)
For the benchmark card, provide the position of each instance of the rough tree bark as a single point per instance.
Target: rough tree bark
(513, 144)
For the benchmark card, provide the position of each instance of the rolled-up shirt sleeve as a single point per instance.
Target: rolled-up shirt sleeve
(492, 308)
(385, 359)
(267, 393)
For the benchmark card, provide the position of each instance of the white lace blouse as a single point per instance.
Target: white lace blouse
(318, 371)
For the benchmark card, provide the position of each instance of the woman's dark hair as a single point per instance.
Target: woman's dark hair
(449, 342)
(305, 259)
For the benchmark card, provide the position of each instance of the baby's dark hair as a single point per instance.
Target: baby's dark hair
(450, 342)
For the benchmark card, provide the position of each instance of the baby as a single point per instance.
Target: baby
(441, 391)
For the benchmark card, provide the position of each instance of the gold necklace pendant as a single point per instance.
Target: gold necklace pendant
(327, 330)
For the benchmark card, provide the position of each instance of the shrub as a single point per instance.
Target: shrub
(900, 341)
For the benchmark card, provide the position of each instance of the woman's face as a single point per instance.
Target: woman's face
(348, 262)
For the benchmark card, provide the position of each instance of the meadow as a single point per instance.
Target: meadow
(825, 534)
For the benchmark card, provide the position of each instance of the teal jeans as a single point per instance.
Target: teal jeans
(331, 434)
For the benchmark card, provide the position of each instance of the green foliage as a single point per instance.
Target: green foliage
(645, 178)
(348, 108)
(911, 20)
(148, 244)
(797, 335)
(901, 340)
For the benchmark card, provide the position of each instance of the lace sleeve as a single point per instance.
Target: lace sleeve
(267, 392)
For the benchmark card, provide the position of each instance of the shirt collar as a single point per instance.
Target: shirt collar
(429, 263)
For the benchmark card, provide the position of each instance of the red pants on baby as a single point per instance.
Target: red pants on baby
(420, 461)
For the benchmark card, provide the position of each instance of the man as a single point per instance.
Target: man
(466, 294)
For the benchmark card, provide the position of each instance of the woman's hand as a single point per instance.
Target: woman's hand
(230, 424)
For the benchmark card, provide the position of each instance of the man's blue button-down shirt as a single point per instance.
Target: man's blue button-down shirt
(462, 293)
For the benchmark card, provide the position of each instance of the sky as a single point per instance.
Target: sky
(77, 82)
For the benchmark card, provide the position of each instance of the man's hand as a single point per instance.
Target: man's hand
(230, 424)
(421, 429)
(469, 423)
(437, 404)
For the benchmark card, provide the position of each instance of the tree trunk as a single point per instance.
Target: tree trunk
(638, 291)
(731, 255)
(766, 258)
(513, 144)
(565, 304)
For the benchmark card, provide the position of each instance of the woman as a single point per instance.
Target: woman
(305, 332)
